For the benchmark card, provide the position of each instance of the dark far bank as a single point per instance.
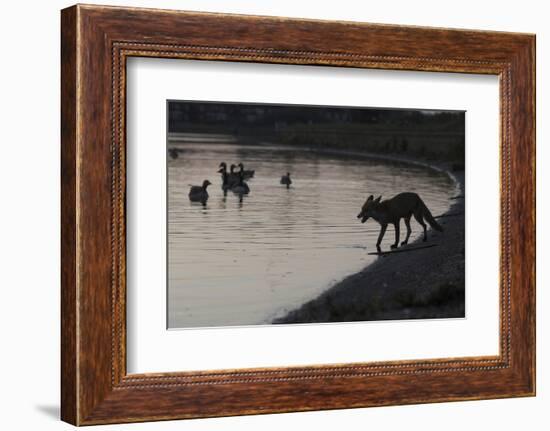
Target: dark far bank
(285, 214)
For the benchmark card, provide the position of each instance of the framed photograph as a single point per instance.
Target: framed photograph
(264, 214)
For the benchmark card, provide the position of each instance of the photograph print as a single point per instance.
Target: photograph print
(298, 214)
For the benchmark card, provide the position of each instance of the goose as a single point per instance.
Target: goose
(228, 179)
(246, 174)
(199, 193)
(285, 179)
(241, 188)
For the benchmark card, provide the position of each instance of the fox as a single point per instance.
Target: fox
(401, 206)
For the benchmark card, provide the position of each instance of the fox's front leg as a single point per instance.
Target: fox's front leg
(396, 243)
(381, 236)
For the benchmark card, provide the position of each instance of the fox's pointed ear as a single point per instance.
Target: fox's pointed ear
(377, 200)
(370, 198)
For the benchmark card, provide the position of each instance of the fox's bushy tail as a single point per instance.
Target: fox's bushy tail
(430, 219)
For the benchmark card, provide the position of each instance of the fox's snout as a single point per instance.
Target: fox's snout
(363, 217)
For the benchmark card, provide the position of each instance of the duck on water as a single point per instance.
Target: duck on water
(285, 180)
(199, 193)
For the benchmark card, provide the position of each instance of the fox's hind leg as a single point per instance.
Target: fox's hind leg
(408, 225)
(418, 218)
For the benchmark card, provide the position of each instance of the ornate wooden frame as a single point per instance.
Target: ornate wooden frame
(95, 43)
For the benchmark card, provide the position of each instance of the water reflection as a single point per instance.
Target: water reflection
(245, 259)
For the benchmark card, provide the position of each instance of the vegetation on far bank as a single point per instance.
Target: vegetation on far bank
(428, 135)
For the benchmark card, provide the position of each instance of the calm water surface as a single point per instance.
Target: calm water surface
(247, 261)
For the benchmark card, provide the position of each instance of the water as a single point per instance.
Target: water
(247, 261)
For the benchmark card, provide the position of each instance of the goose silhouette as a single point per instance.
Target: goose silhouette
(199, 193)
(241, 188)
(247, 174)
(285, 180)
(173, 153)
(228, 179)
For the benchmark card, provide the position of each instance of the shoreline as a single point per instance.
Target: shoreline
(421, 284)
